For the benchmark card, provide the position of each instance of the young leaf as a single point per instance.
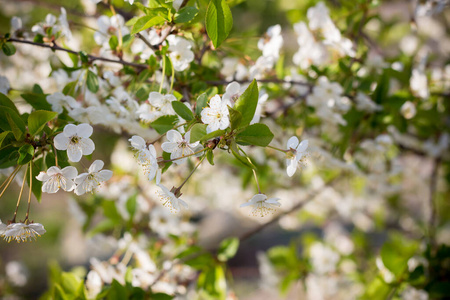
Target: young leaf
(246, 104)
(240, 158)
(10, 120)
(38, 119)
(113, 42)
(146, 22)
(164, 123)
(210, 156)
(202, 102)
(185, 14)
(37, 185)
(5, 101)
(37, 101)
(92, 82)
(182, 110)
(228, 248)
(8, 49)
(197, 132)
(212, 135)
(219, 21)
(26, 154)
(235, 118)
(3, 137)
(256, 134)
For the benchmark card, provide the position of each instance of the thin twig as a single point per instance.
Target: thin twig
(91, 57)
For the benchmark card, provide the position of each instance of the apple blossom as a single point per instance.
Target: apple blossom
(179, 146)
(181, 54)
(59, 101)
(216, 115)
(22, 232)
(169, 199)
(295, 155)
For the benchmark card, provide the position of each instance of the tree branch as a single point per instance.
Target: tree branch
(272, 80)
(55, 47)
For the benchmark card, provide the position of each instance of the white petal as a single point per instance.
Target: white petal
(69, 172)
(137, 142)
(183, 203)
(292, 142)
(87, 146)
(42, 176)
(169, 147)
(50, 186)
(96, 166)
(105, 175)
(70, 130)
(61, 141)
(53, 171)
(84, 130)
(246, 204)
(152, 150)
(174, 136)
(233, 88)
(303, 146)
(74, 153)
(156, 99)
(258, 198)
(80, 178)
(68, 186)
(291, 167)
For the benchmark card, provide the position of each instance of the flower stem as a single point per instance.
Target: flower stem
(181, 157)
(56, 155)
(192, 172)
(163, 74)
(20, 196)
(120, 29)
(9, 177)
(172, 78)
(29, 194)
(9, 180)
(278, 149)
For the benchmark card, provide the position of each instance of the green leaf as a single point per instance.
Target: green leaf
(3, 137)
(131, 206)
(8, 49)
(235, 118)
(38, 119)
(164, 123)
(182, 110)
(37, 89)
(197, 132)
(37, 185)
(70, 88)
(113, 42)
(219, 21)
(161, 296)
(185, 14)
(110, 211)
(146, 22)
(5, 101)
(246, 104)
(395, 255)
(70, 284)
(202, 102)
(210, 156)
(117, 291)
(256, 134)
(37, 101)
(92, 82)
(212, 135)
(10, 120)
(228, 248)
(243, 160)
(26, 154)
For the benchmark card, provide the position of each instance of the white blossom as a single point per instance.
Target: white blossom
(21, 232)
(108, 26)
(55, 178)
(179, 146)
(408, 110)
(271, 44)
(323, 258)
(41, 28)
(59, 101)
(296, 154)
(146, 156)
(169, 199)
(261, 205)
(411, 293)
(181, 54)
(75, 139)
(88, 182)
(216, 115)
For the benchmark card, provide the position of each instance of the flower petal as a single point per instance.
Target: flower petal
(69, 172)
(174, 136)
(292, 142)
(87, 146)
(74, 153)
(61, 141)
(105, 175)
(96, 166)
(84, 130)
(303, 146)
(291, 167)
(70, 130)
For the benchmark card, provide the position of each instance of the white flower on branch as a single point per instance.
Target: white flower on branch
(295, 156)
(75, 139)
(109, 26)
(41, 28)
(323, 258)
(261, 205)
(88, 182)
(216, 115)
(59, 101)
(22, 232)
(180, 146)
(55, 178)
(181, 54)
(146, 156)
(169, 199)
(271, 44)
(232, 93)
